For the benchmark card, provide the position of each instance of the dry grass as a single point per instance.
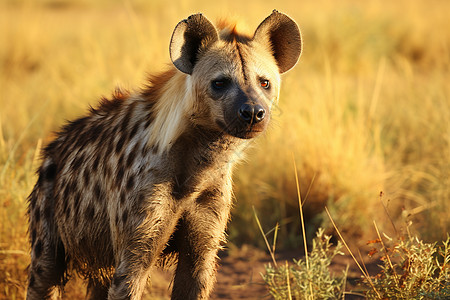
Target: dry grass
(366, 110)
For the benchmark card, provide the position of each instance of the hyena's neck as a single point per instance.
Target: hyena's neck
(209, 147)
(203, 159)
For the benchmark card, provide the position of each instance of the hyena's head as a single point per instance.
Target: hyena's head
(235, 77)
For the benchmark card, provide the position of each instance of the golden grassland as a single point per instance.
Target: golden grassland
(367, 109)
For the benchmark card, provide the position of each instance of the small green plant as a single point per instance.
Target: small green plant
(298, 281)
(412, 269)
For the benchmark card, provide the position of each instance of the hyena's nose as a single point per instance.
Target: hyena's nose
(251, 114)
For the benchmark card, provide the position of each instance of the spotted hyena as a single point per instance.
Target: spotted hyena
(146, 176)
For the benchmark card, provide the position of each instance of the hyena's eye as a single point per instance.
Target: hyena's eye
(265, 83)
(220, 84)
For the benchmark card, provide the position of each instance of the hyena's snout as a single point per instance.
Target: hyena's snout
(251, 113)
(248, 118)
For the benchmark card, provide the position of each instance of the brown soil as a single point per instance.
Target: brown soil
(239, 275)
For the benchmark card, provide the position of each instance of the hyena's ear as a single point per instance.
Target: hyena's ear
(282, 34)
(189, 36)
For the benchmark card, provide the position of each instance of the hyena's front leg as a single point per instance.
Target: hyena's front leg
(146, 244)
(201, 232)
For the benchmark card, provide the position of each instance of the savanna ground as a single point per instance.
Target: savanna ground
(365, 111)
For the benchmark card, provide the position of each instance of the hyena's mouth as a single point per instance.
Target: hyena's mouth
(241, 130)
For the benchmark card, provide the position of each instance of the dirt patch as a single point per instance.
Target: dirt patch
(239, 275)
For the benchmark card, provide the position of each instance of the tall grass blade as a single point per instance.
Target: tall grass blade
(275, 235)
(288, 281)
(272, 255)
(366, 275)
(302, 221)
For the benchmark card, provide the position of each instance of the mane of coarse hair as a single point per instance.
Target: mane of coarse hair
(233, 30)
(172, 98)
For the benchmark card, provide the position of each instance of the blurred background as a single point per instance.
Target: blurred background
(365, 114)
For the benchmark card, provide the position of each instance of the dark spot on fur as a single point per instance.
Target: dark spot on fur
(145, 151)
(125, 216)
(38, 249)
(119, 176)
(105, 135)
(73, 186)
(90, 211)
(123, 197)
(121, 143)
(96, 163)
(115, 130)
(67, 193)
(97, 192)
(68, 211)
(134, 130)
(121, 161)
(93, 133)
(126, 121)
(148, 122)
(128, 117)
(130, 183)
(78, 162)
(117, 220)
(132, 156)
